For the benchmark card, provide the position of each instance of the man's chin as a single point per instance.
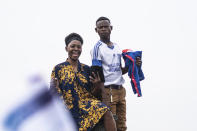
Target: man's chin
(104, 36)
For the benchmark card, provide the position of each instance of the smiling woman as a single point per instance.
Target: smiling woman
(73, 46)
(72, 81)
(74, 49)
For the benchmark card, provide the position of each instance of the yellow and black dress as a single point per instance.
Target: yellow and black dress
(74, 88)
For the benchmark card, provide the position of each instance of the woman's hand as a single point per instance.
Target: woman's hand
(54, 85)
(98, 86)
(95, 79)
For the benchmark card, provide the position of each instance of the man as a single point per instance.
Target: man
(107, 54)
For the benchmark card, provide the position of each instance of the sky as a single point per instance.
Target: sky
(32, 40)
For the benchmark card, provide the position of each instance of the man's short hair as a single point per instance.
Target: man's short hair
(102, 18)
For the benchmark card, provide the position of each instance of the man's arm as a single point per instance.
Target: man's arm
(138, 63)
(124, 70)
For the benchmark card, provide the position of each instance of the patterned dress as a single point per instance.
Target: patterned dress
(74, 88)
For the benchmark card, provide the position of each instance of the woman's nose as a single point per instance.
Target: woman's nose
(76, 48)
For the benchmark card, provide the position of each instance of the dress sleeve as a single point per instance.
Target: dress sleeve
(53, 74)
(88, 73)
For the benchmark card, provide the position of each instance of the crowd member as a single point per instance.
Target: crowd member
(107, 55)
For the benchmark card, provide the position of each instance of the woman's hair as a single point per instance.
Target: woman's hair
(73, 36)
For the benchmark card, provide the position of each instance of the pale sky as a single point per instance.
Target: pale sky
(32, 39)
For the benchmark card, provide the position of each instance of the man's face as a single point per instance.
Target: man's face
(103, 28)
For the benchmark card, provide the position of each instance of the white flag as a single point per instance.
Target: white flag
(40, 112)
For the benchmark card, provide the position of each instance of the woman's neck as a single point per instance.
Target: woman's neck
(74, 64)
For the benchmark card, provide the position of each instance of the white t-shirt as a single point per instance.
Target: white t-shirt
(110, 60)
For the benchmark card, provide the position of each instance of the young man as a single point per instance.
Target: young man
(107, 55)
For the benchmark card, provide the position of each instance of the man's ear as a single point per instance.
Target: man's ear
(96, 30)
(66, 49)
(111, 27)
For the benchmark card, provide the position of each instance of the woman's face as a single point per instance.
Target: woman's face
(74, 49)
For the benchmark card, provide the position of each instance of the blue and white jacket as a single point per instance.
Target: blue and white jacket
(134, 71)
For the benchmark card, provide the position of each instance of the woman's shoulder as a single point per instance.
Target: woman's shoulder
(85, 66)
(62, 64)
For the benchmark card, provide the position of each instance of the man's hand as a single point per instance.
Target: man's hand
(138, 61)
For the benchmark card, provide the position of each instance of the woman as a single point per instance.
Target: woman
(74, 84)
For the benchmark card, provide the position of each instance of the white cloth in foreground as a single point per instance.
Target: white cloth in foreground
(40, 112)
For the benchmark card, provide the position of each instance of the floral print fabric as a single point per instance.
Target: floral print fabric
(75, 90)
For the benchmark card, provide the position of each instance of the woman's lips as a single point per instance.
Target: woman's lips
(75, 53)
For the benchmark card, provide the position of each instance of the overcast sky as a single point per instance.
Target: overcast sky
(32, 39)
